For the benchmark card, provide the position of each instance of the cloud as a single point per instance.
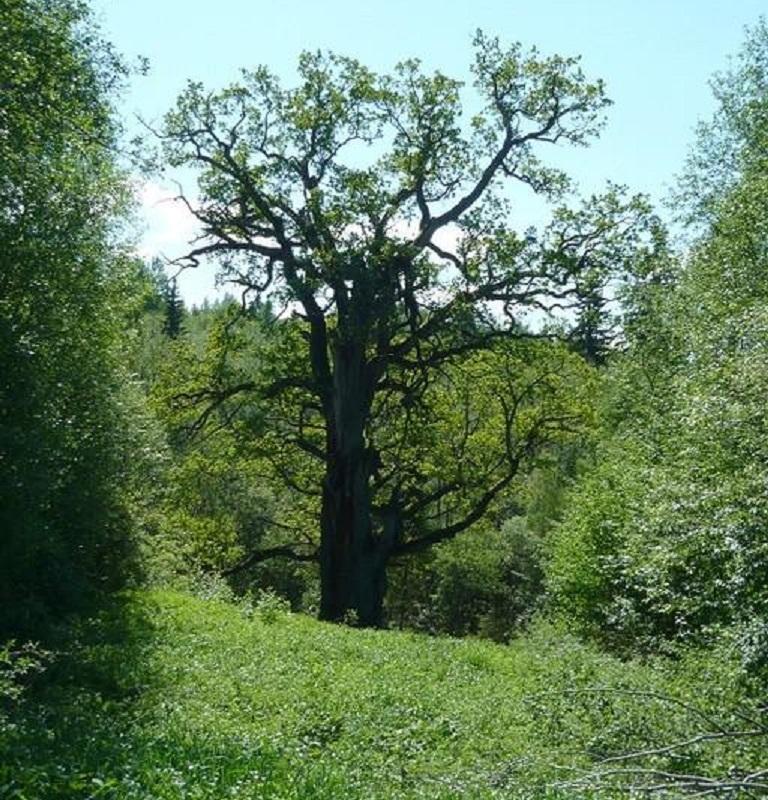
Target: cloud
(168, 224)
(168, 229)
(447, 238)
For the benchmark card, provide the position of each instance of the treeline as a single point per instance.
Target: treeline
(142, 442)
(70, 424)
(663, 536)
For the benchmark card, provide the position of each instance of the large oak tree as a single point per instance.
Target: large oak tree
(375, 213)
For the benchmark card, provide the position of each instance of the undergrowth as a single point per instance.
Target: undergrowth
(167, 696)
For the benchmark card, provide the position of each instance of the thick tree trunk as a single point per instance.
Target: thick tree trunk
(352, 561)
(352, 569)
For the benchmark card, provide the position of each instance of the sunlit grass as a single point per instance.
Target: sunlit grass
(168, 696)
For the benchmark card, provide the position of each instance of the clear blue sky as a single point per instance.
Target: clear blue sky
(655, 56)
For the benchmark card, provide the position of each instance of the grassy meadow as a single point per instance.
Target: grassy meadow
(168, 696)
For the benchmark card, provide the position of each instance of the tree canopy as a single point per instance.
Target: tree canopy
(62, 404)
(372, 210)
(664, 539)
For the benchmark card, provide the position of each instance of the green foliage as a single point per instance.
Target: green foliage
(167, 696)
(407, 389)
(219, 503)
(489, 582)
(228, 497)
(485, 583)
(270, 607)
(204, 442)
(19, 663)
(734, 140)
(64, 432)
(173, 323)
(665, 537)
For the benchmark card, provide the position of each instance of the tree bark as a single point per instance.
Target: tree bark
(352, 560)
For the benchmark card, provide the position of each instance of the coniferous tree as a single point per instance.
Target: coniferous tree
(173, 321)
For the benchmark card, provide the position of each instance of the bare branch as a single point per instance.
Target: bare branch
(257, 556)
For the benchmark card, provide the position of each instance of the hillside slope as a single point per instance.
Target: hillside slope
(168, 696)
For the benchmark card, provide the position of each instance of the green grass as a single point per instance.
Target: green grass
(168, 696)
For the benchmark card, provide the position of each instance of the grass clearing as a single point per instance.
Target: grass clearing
(167, 696)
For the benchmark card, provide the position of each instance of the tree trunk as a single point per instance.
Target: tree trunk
(352, 573)
(352, 561)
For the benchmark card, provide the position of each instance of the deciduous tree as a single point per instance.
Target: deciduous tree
(375, 212)
(62, 413)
